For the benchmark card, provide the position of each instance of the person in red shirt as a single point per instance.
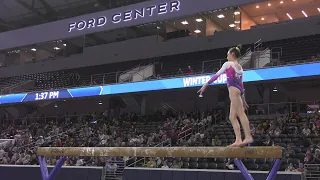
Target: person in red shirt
(190, 71)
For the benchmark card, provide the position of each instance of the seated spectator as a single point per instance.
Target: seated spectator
(180, 72)
(176, 165)
(277, 131)
(289, 151)
(316, 157)
(306, 131)
(151, 163)
(111, 167)
(290, 168)
(229, 165)
(216, 141)
(268, 141)
(165, 165)
(190, 70)
(300, 168)
(308, 158)
(260, 129)
(252, 129)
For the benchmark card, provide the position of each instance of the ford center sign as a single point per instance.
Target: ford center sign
(129, 15)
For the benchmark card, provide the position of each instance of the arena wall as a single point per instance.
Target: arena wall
(196, 174)
(154, 46)
(33, 173)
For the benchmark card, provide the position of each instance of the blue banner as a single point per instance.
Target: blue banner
(285, 72)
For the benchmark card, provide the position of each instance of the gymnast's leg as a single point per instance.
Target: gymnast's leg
(235, 97)
(235, 125)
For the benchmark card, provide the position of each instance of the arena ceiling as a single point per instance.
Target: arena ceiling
(15, 14)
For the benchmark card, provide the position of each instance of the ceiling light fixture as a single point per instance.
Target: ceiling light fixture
(197, 31)
(184, 22)
(269, 4)
(232, 25)
(220, 16)
(304, 14)
(236, 13)
(281, 2)
(33, 49)
(199, 20)
(262, 18)
(257, 6)
(289, 16)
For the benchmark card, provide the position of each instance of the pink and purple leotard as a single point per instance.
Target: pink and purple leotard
(234, 75)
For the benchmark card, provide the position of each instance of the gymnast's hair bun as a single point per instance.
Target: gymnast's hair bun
(239, 47)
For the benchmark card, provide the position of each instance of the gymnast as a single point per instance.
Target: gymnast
(234, 73)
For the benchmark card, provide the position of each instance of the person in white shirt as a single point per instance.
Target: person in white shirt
(165, 164)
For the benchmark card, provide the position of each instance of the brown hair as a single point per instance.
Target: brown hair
(236, 51)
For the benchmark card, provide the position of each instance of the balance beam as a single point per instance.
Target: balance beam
(274, 152)
(199, 152)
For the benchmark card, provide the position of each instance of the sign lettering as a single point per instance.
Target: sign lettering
(129, 15)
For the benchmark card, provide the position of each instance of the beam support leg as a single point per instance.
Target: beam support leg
(54, 171)
(274, 170)
(57, 168)
(43, 167)
(243, 169)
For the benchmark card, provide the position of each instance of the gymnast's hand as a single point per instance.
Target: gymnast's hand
(202, 89)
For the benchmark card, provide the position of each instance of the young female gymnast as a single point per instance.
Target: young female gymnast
(238, 105)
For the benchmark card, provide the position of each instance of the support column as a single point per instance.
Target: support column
(266, 95)
(115, 104)
(143, 106)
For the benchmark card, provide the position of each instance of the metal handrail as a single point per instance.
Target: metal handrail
(311, 171)
(134, 163)
(214, 60)
(261, 55)
(124, 72)
(103, 75)
(257, 44)
(15, 85)
(132, 74)
(306, 61)
(272, 49)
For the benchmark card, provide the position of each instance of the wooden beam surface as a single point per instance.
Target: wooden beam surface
(200, 152)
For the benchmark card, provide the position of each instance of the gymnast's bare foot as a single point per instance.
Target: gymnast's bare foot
(247, 141)
(235, 144)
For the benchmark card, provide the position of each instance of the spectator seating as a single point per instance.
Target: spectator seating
(131, 130)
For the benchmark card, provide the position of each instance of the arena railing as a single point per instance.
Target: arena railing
(311, 171)
(166, 143)
(174, 76)
(33, 145)
(212, 65)
(257, 45)
(277, 108)
(104, 77)
(140, 67)
(184, 134)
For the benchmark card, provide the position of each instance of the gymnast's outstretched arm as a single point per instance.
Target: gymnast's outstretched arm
(214, 77)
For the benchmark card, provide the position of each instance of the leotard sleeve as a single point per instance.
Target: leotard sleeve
(221, 71)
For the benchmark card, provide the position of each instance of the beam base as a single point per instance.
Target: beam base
(44, 170)
(244, 171)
